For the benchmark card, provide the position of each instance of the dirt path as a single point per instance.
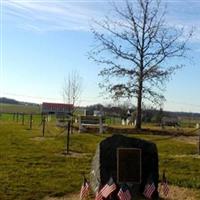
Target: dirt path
(67, 197)
(175, 193)
(179, 193)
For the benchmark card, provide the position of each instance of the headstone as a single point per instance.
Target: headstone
(109, 158)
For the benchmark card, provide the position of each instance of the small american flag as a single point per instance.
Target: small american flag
(108, 188)
(149, 189)
(124, 193)
(98, 196)
(164, 185)
(85, 188)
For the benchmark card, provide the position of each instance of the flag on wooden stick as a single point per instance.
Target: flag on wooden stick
(108, 188)
(124, 193)
(164, 185)
(149, 189)
(98, 196)
(85, 188)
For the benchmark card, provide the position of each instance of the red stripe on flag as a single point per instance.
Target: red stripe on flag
(149, 189)
(84, 190)
(99, 196)
(108, 189)
(124, 195)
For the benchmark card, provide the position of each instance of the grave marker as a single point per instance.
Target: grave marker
(127, 160)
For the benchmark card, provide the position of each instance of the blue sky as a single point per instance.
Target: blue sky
(43, 41)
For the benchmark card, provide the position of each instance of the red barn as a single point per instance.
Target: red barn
(56, 108)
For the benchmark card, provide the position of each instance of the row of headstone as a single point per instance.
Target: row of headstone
(127, 121)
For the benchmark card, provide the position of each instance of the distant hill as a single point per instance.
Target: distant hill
(6, 100)
(11, 106)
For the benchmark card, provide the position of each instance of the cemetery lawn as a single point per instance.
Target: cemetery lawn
(33, 167)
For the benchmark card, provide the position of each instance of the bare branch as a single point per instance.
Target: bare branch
(134, 47)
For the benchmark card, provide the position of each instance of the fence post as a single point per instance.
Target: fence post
(199, 145)
(100, 125)
(68, 132)
(80, 125)
(198, 135)
(22, 118)
(43, 125)
(31, 120)
(17, 117)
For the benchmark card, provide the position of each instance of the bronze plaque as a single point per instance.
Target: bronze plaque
(129, 165)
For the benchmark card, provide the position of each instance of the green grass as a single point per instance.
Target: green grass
(180, 160)
(32, 167)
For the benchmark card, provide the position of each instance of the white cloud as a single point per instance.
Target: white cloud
(57, 15)
(50, 15)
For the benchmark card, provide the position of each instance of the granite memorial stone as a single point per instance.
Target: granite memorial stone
(127, 160)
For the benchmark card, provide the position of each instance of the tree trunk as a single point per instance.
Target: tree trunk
(139, 108)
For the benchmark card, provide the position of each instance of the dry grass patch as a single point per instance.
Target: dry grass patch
(42, 138)
(72, 154)
(175, 193)
(188, 139)
(67, 197)
(180, 193)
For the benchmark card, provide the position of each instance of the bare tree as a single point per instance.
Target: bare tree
(72, 89)
(135, 46)
(72, 92)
